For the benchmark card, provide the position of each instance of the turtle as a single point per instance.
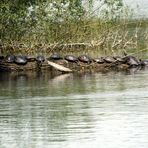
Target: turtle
(55, 56)
(30, 58)
(40, 58)
(9, 58)
(144, 62)
(71, 58)
(85, 59)
(131, 60)
(119, 59)
(99, 60)
(109, 59)
(22, 60)
(1, 57)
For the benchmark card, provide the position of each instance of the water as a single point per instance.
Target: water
(100, 110)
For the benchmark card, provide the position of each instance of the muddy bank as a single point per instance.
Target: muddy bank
(74, 64)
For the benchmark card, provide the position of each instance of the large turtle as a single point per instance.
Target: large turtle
(40, 58)
(85, 59)
(55, 56)
(71, 58)
(9, 58)
(22, 60)
(131, 61)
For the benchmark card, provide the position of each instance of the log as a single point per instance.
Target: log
(59, 67)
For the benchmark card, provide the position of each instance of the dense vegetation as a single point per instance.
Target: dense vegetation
(61, 23)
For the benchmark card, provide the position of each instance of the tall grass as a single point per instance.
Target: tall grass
(32, 32)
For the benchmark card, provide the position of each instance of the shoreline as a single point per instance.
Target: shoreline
(109, 63)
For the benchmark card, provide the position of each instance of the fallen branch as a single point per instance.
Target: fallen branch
(59, 67)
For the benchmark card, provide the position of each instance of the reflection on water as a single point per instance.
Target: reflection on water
(102, 110)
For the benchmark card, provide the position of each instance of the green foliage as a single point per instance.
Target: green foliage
(113, 9)
(49, 21)
(31, 17)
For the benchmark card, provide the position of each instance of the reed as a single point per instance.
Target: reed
(28, 35)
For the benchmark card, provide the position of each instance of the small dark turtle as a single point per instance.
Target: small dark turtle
(144, 62)
(71, 58)
(30, 58)
(85, 59)
(131, 60)
(40, 58)
(55, 56)
(99, 60)
(1, 57)
(9, 58)
(109, 59)
(22, 60)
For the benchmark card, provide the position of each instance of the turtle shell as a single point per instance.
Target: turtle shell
(131, 60)
(55, 56)
(31, 58)
(40, 58)
(119, 59)
(85, 59)
(99, 60)
(71, 58)
(21, 60)
(9, 58)
(109, 59)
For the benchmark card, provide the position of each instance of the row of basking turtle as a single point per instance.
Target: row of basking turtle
(22, 60)
(130, 60)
